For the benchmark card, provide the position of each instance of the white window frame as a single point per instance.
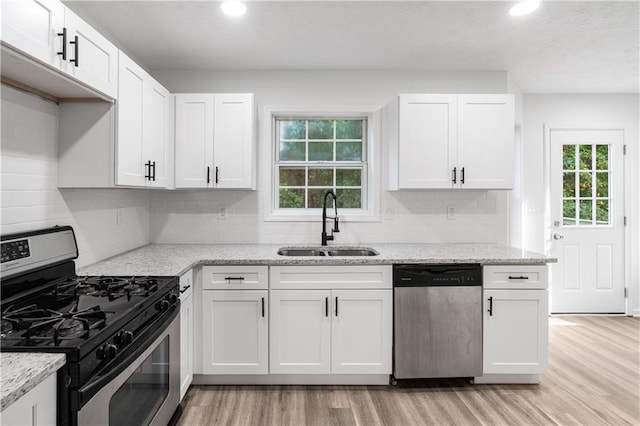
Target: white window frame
(269, 178)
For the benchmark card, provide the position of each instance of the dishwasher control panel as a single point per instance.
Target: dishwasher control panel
(437, 275)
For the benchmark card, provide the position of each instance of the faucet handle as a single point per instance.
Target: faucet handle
(335, 224)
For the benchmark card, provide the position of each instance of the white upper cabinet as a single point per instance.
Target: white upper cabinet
(215, 142)
(485, 141)
(91, 58)
(143, 137)
(32, 27)
(447, 141)
(51, 33)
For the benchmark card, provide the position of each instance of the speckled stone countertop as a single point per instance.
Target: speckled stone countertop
(174, 259)
(21, 372)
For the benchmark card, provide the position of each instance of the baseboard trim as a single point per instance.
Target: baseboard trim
(291, 379)
(525, 379)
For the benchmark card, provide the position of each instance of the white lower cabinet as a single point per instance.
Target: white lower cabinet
(36, 407)
(335, 330)
(186, 332)
(515, 323)
(235, 320)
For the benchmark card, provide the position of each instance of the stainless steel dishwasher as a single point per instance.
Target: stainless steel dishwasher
(437, 321)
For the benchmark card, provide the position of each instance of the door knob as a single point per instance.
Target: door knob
(558, 236)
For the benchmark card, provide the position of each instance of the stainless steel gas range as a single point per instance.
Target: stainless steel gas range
(120, 334)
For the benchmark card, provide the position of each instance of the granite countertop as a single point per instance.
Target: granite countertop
(175, 259)
(21, 372)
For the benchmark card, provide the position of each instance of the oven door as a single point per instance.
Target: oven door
(142, 388)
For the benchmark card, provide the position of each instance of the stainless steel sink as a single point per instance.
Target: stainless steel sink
(352, 252)
(334, 251)
(300, 252)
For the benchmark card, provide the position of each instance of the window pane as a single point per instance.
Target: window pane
(349, 129)
(316, 198)
(569, 157)
(320, 129)
(585, 185)
(602, 184)
(291, 198)
(569, 212)
(349, 151)
(292, 151)
(586, 212)
(348, 177)
(585, 157)
(349, 198)
(602, 212)
(569, 184)
(292, 129)
(291, 177)
(602, 157)
(320, 177)
(321, 151)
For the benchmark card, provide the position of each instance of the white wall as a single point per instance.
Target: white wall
(579, 110)
(418, 216)
(31, 199)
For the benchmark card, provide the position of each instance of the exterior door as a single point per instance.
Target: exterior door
(587, 221)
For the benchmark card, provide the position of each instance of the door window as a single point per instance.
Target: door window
(586, 178)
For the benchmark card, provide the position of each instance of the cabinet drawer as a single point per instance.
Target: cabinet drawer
(331, 277)
(516, 277)
(235, 277)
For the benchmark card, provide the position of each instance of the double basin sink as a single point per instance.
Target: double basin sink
(327, 251)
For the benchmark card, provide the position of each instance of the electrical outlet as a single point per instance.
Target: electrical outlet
(222, 212)
(451, 212)
(389, 213)
(119, 215)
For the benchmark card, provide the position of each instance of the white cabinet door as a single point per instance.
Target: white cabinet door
(486, 141)
(156, 136)
(130, 169)
(427, 135)
(36, 407)
(91, 58)
(234, 152)
(186, 333)
(300, 332)
(515, 331)
(194, 140)
(361, 331)
(32, 27)
(235, 326)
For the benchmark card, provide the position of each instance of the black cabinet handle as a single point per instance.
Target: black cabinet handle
(147, 170)
(154, 171)
(462, 177)
(63, 34)
(208, 174)
(182, 290)
(263, 307)
(336, 305)
(76, 48)
(216, 174)
(518, 278)
(455, 175)
(326, 306)
(234, 278)
(490, 310)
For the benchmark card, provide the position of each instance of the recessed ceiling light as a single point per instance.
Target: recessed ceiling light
(524, 7)
(233, 8)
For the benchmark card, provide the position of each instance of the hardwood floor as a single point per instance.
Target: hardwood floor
(593, 379)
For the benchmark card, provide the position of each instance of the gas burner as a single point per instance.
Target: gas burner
(48, 325)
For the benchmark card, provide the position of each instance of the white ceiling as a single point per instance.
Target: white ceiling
(563, 47)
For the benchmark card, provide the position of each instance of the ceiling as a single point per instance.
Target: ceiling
(563, 47)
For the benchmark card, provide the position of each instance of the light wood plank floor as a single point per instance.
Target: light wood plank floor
(593, 379)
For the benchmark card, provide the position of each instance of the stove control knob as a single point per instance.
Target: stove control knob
(162, 305)
(107, 352)
(172, 297)
(123, 337)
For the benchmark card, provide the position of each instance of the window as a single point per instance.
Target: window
(314, 155)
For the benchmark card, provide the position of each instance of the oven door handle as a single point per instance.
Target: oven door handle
(118, 365)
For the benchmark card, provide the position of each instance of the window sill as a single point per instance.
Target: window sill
(316, 216)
